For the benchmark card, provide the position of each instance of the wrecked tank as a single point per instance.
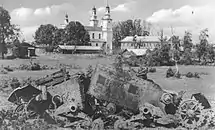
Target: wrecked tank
(105, 99)
(145, 100)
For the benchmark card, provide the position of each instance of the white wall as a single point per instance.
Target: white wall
(107, 33)
(106, 25)
(99, 44)
(96, 34)
(108, 36)
(147, 45)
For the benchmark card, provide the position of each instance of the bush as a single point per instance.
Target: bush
(4, 83)
(8, 69)
(152, 70)
(189, 75)
(24, 67)
(192, 75)
(169, 73)
(35, 66)
(196, 75)
(9, 83)
(46, 67)
(177, 75)
(3, 71)
(14, 83)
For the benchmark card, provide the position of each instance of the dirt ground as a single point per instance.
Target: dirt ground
(205, 84)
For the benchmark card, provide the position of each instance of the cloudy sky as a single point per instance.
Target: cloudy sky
(181, 15)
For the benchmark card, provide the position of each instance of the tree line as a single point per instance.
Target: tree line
(182, 51)
(171, 51)
(73, 34)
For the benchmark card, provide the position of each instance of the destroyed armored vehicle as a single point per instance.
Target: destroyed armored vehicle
(145, 99)
(104, 99)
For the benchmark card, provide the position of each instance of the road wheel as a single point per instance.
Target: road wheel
(190, 113)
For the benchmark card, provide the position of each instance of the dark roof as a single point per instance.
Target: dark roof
(25, 44)
(91, 28)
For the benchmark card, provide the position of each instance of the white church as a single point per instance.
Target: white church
(100, 36)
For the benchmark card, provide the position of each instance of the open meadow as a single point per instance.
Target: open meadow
(205, 84)
(74, 63)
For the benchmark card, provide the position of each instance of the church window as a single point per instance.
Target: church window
(99, 36)
(93, 35)
(96, 44)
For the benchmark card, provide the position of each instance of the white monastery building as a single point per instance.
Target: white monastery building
(140, 44)
(100, 36)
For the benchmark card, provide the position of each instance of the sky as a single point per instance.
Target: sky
(180, 15)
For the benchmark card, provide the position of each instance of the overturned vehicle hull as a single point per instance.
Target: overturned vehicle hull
(108, 101)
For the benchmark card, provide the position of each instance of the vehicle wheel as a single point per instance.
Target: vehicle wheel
(190, 113)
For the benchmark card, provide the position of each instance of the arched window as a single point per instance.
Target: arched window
(93, 35)
(99, 36)
(96, 44)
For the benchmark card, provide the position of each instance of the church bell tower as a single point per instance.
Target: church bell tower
(107, 30)
(66, 21)
(93, 19)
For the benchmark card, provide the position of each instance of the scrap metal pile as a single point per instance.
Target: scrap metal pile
(108, 101)
(53, 79)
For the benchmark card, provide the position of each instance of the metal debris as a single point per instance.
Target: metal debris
(113, 101)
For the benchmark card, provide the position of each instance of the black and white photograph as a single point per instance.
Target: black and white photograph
(107, 64)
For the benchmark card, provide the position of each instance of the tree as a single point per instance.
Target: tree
(153, 58)
(117, 35)
(58, 37)
(187, 41)
(16, 48)
(201, 49)
(159, 56)
(7, 30)
(76, 34)
(163, 53)
(210, 53)
(128, 28)
(176, 51)
(187, 45)
(44, 34)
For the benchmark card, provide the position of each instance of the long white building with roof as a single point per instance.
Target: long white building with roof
(139, 44)
(100, 36)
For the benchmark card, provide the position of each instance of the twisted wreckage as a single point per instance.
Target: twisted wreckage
(105, 100)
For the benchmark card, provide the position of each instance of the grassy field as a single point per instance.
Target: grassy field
(205, 84)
